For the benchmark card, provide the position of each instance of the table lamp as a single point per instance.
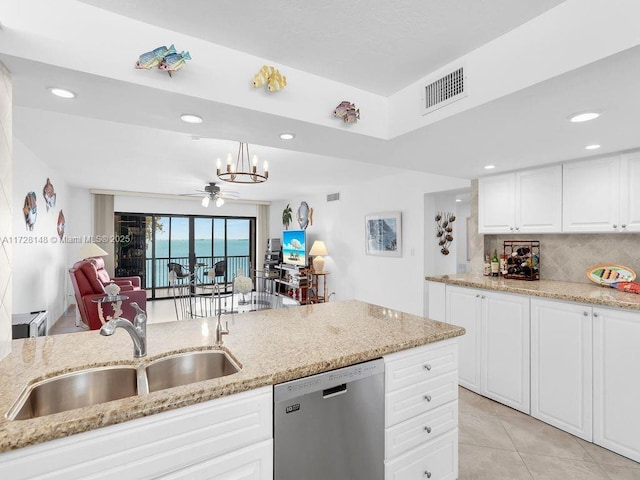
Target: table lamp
(317, 250)
(91, 250)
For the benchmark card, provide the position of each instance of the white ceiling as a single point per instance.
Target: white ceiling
(375, 45)
(140, 132)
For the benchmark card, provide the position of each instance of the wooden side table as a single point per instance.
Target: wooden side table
(319, 295)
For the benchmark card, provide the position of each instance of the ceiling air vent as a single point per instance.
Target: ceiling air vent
(444, 91)
(332, 197)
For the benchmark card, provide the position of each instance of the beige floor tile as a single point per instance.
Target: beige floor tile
(484, 430)
(504, 411)
(533, 436)
(607, 457)
(553, 468)
(473, 404)
(621, 473)
(482, 463)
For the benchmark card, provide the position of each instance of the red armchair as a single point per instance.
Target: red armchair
(87, 286)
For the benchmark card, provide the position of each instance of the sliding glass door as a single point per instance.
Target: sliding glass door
(196, 243)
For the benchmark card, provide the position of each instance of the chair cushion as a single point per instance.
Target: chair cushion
(91, 275)
(103, 276)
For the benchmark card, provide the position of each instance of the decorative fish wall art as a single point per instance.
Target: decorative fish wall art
(347, 111)
(49, 195)
(61, 225)
(271, 77)
(30, 210)
(304, 215)
(164, 58)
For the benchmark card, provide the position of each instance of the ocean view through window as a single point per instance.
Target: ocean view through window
(194, 242)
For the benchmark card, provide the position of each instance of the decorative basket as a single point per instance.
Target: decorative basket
(522, 259)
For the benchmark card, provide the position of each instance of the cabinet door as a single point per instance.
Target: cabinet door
(561, 374)
(539, 200)
(435, 460)
(590, 195)
(496, 204)
(463, 310)
(616, 381)
(505, 349)
(629, 192)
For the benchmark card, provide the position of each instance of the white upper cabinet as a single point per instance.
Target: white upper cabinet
(602, 195)
(629, 192)
(522, 202)
(591, 195)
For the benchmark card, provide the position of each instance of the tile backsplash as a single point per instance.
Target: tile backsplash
(567, 256)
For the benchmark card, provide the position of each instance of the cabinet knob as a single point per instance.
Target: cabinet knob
(511, 229)
(427, 429)
(427, 367)
(615, 226)
(595, 315)
(623, 225)
(427, 398)
(483, 296)
(477, 295)
(586, 314)
(517, 229)
(427, 473)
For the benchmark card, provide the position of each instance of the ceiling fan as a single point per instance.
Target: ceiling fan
(213, 192)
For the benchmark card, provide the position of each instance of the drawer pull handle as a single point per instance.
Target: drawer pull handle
(427, 429)
(427, 367)
(427, 473)
(427, 398)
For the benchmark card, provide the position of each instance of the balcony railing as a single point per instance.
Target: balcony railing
(159, 278)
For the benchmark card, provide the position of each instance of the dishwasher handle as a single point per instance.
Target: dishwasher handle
(334, 391)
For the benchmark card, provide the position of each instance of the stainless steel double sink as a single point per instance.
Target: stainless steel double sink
(92, 386)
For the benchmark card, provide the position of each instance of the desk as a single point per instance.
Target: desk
(315, 295)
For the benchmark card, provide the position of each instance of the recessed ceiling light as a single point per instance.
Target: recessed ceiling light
(489, 167)
(287, 136)
(592, 147)
(62, 93)
(458, 200)
(189, 118)
(584, 117)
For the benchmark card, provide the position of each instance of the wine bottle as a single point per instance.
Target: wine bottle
(495, 264)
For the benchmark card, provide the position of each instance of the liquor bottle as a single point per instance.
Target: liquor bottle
(487, 266)
(495, 264)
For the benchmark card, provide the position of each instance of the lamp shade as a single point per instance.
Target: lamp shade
(91, 250)
(318, 248)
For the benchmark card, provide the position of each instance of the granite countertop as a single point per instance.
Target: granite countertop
(573, 292)
(271, 346)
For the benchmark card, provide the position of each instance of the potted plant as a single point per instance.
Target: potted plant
(286, 216)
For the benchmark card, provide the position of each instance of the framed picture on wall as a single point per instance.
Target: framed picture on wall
(383, 234)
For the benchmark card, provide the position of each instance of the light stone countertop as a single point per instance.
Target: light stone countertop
(573, 292)
(271, 346)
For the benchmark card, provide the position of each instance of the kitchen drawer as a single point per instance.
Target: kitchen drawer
(436, 460)
(419, 398)
(423, 363)
(417, 430)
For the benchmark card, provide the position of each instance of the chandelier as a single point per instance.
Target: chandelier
(243, 170)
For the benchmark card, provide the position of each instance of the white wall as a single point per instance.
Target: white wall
(39, 257)
(392, 282)
(6, 210)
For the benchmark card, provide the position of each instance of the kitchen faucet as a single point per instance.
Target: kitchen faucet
(137, 330)
(220, 331)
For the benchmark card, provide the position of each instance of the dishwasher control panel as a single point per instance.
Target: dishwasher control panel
(327, 380)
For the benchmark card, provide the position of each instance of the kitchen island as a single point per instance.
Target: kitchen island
(270, 346)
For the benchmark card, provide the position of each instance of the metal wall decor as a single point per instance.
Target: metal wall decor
(444, 222)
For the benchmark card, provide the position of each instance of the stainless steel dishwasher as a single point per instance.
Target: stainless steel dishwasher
(331, 425)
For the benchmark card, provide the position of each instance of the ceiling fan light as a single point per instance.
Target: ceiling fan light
(205, 202)
(219, 201)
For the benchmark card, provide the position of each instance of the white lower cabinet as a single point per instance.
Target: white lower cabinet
(421, 413)
(494, 352)
(616, 381)
(561, 358)
(230, 437)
